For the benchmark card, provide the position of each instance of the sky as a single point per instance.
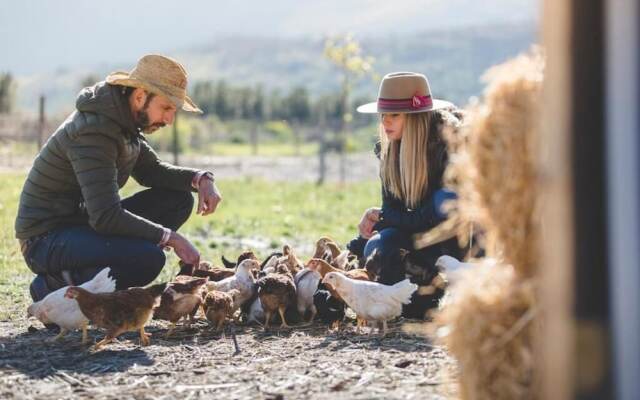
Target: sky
(40, 35)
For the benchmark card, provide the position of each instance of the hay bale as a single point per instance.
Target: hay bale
(492, 165)
(489, 325)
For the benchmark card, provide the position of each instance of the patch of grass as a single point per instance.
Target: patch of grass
(254, 214)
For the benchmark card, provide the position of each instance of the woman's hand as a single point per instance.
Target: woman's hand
(370, 217)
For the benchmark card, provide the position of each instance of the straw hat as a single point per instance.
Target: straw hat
(404, 92)
(160, 75)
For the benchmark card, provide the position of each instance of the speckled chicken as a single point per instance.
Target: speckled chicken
(119, 312)
(218, 306)
(243, 280)
(276, 291)
(181, 298)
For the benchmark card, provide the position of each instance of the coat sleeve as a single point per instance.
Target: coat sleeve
(149, 171)
(93, 159)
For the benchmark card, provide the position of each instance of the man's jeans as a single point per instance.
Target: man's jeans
(133, 261)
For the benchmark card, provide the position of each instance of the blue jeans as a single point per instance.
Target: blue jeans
(84, 252)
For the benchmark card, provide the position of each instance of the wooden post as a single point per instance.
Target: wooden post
(254, 138)
(176, 150)
(41, 123)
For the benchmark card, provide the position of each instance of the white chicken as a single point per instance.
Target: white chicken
(372, 301)
(306, 286)
(64, 312)
(243, 281)
(454, 268)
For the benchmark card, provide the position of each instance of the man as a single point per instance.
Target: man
(71, 221)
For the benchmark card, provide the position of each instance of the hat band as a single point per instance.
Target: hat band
(416, 102)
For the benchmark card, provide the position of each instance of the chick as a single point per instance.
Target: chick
(243, 280)
(321, 247)
(372, 301)
(330, 309)
(218, 306)
(181, 298)
(118, 312)
(64, 312)
(276, 291)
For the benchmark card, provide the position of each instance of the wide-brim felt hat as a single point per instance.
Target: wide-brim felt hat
(404, 92)
(160, 75)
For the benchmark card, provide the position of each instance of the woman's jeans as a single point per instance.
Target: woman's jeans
(84, 252)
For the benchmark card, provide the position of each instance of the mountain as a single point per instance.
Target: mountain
(453, 59)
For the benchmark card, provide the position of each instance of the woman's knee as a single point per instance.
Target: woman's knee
(387, 240)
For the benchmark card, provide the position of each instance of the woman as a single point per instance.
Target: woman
(413, 157)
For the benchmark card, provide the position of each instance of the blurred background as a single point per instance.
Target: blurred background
(278, 81)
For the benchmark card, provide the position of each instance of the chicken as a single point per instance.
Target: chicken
(118, 312)
(205, 270)
(276, 292)
(181, 298)
(290, 260)
(64, 312)
(243, 280)
(218, 306)
(323, 268)
(306, 282)
(243, 256)
(372, 301)
(321, 247)
(330, 309)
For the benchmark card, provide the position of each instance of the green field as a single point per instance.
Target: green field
(264, 215)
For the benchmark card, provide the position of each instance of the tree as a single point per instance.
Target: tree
(6, 93)
(298, 105)
(345, 53)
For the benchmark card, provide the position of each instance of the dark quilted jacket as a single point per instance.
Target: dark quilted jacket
(76, 177)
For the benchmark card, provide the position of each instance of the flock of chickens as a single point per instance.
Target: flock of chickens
(281, 285)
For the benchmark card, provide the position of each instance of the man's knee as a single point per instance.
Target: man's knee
(144, 269)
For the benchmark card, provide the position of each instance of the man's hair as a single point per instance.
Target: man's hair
(128, 90)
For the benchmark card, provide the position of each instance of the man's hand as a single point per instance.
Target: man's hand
(369, 219)
(184, 249)
(208, 197)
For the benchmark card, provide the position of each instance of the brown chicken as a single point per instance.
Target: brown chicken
(321, 247)
(290, 259)
(181, 298)
(323, 268)
(243, 256)
(276, 291)
(120, 311)
(218, 306)
(205, 270)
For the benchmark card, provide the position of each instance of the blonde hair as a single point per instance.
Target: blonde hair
(404, 162)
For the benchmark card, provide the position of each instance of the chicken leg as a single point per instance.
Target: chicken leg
(144, 337)
(60, 335)
(267, 319)
(85, 336)
(281, 310)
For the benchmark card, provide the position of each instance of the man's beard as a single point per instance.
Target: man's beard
(142, 121)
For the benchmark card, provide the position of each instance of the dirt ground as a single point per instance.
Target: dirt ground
(300, 363)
